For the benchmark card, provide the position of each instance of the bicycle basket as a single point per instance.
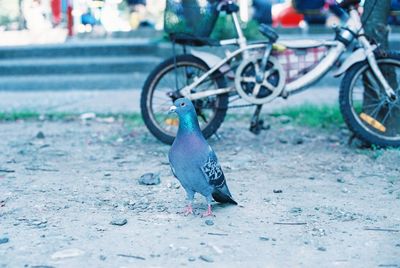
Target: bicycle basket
(190, 17)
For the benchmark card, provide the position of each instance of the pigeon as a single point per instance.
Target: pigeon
(194, 163)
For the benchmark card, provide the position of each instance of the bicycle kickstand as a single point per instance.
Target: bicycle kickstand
(257, 124)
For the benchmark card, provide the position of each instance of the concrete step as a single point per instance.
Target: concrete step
(89, 48)
(78, 65)
(131, 80)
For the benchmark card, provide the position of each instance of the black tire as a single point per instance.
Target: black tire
(357, 114)
(217, 105)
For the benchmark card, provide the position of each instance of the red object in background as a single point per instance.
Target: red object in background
(70, 19)
(287, 17)
(56, 11)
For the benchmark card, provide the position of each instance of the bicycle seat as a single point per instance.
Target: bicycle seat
(229, 7)
(192, 40)
(268, 32)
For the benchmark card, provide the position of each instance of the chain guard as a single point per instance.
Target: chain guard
(259, 93)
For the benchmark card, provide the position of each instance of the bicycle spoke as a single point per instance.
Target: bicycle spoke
(256, 89)
(377, 110)
(268, 85)
(386, 116)
(248, 79)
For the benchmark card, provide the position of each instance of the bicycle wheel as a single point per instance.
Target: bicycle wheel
(366, 109)
(162, 87)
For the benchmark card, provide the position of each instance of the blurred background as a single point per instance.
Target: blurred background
(55, 20)
(80, 55)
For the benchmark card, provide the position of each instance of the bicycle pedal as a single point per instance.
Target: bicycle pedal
(256, 127)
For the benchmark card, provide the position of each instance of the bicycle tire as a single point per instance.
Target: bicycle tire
(150, 85)
(358, 126)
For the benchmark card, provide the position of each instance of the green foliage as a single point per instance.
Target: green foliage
(224, 29)
(133, 119)
(19, 115)
(324, 116)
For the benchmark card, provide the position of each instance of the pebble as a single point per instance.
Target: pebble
(321, 249)
(149, 179)
(191, 259)
(264, 238)
(295, 210)
(345, 190)
(119, 222)
(283, 140)
(311, 178)
(333, 138)
(209, 222)
(206, 258)
(340, 180)
(284, 119)
(102, 257)
(278, 191)
(298, 141)
(40, 135)
(67, 253)
(4, 240)
(87, 116)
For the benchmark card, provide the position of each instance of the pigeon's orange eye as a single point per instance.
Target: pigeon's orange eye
(183, 104)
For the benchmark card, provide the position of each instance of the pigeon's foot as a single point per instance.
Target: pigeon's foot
(188, 210)
(208, 213)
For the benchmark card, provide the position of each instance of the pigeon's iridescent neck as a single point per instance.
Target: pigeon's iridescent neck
(188, 124)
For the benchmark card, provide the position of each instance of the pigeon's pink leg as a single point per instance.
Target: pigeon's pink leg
(188, 210)
(208, 212)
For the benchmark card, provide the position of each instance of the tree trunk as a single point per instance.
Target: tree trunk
(375, 19)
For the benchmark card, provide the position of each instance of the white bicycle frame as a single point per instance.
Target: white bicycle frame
(336, 49)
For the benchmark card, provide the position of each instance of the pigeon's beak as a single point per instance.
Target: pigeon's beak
(172, 109)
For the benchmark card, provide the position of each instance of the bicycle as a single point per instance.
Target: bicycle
(369, 95)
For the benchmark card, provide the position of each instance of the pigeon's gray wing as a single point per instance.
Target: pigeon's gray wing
(215, 177)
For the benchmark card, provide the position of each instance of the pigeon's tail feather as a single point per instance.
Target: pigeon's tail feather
(221, 197)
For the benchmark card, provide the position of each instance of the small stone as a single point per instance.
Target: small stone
(298, 141)
(333, 139)
(209, 222)
(67, 253)
(398, 245)
(340, 180)
(119, 222)
(40, 135)
(4, 240)
(191, 259)
(345, 190)
(283, 140)
(277, 191)
(284, 119)
(295, 210)
(206, 258)
(321, 248)
(311, 178)
(88, 116)
(149, 179)
(264, 238)
(102, 257)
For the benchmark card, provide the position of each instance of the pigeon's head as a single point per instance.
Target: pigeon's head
(182, 106)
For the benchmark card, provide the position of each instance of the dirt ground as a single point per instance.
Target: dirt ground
(306, 199)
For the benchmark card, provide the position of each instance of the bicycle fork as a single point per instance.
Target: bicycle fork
(376, 70)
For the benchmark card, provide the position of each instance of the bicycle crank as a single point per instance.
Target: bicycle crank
(259, 92)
